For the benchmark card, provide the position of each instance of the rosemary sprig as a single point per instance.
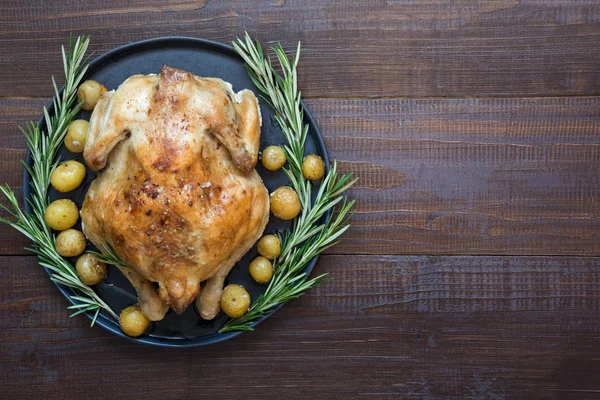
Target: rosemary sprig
(110, 256)
(308, 237)
(44, 148)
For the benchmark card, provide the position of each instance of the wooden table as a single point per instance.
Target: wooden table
(471, 269)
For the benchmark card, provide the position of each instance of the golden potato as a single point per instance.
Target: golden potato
(235, 301)
(133, 322)
(269, 246)
(61, 214)
(313, 167)
(273, 158)
(261, 270)
(90, 270)
(70, 243)
(76, 135)
(89, 92)
(285, 203)
(67, 176)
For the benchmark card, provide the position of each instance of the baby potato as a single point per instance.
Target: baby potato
(133, 322)
(261, 270)
(273, 158)
(89, 92)
(313, 167)
(285, 203)
(90, 270)
(76, 135)
(235, 301)
(61, 214)
(70, 243)
(67, 176)
(269, 246)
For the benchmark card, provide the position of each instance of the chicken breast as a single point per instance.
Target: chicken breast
(178, 197)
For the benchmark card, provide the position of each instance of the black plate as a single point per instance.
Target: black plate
(203, 58)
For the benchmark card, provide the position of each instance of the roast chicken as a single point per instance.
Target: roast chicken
(177, 198)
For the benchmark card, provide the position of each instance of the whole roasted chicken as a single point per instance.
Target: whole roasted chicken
(178, 198)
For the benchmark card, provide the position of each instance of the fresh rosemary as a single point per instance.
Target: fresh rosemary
(110, 256)
(308, 237)
(44, 147)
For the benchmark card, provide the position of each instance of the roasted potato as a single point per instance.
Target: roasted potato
(261, 270)
(285, 203)
(61, 214)
(235, 301)
(273, 158)
(90, 92)
(133, 322)
(313, 167)
(76, 135)
(70, 243)
(269, 246)
(67, 176)
(90, 270)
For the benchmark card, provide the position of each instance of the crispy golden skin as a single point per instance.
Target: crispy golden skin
(178, 199)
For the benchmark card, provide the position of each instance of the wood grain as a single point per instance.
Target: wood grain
(369, 48)
(442, 176)
(387, 326)
(487, 176)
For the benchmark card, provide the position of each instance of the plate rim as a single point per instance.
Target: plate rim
(103, 320)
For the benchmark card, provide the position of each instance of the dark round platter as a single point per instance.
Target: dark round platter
(203, 58)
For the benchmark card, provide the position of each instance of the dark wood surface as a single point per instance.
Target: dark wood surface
(472, 269)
